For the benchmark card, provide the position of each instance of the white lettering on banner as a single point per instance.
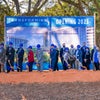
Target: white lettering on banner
(9, 20)
(83, 21)
(58, 21)
(69, 20)
(66, 21)
(72, 21)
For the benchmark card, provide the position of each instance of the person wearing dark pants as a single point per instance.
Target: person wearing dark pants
(30, 65)
(20, 55)
(30, 58)
(83, 49)
(10, 53)
(61, 56)
(87, 58)
(96, 58)
(96, 64)
(52, 57)
(56, 63)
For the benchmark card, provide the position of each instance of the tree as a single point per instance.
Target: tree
(4, 10)
(59, 10)
(31, 7)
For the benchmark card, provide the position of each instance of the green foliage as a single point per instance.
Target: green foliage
(57, 10)
(3, 12)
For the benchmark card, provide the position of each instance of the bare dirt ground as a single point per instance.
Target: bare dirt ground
(47, 76)
(61, 85)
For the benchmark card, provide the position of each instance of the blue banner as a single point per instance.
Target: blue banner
(47, 30)
(25, 21)
(84, 21)
(62, 29)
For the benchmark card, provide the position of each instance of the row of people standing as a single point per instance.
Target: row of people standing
(81, 57)
(9, 54)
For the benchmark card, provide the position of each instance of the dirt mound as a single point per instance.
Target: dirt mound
(50, 77)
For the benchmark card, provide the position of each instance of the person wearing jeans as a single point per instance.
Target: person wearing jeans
(39, 55)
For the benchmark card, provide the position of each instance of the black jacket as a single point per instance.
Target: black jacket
(10, 52)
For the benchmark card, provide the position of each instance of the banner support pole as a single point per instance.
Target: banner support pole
(94, 29)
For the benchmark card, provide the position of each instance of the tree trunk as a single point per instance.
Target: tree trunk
(29, 6)
(17, 6)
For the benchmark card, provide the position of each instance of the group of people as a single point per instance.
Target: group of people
(79, 58)
(9, 54)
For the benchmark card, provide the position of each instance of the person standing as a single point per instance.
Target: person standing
(39, 55)
(62, 50)
(10, 53)
(66, 57)
(78, 62)
(2, 57)
(87, 58)
(92, 52)
(30, 58)
(56, 58)
(96, 58)
(20, 55)
(52, 57)
(72, 56)
(83, 53)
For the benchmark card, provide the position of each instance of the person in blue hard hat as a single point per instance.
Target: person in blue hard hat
(87, 58)
(30, 58)
(52, 57)
(20, 56)
(78, 55)
(83, 48)
(39, 56)
(56, 58)
(10, 53)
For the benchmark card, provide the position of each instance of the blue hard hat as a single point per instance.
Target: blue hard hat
(78, 46)
(21, 45)
(55, 46)
(52, 45)
(38, 45)
(10, 43)
(66, 49)
(30, 47)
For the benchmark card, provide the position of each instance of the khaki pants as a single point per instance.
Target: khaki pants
(77, 64)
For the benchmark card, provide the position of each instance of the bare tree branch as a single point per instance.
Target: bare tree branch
(81, 7)
(29, 6)
(7, 4)
(17, 6)
(36, 7)
(77, 5)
